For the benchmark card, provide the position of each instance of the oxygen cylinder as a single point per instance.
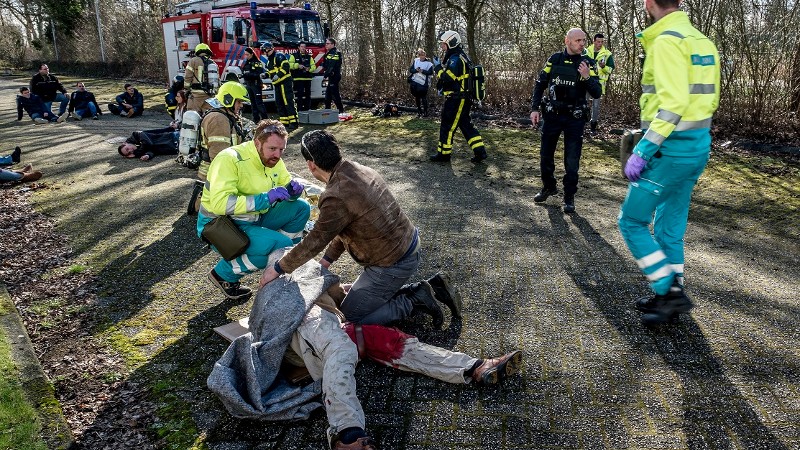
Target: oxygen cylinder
(213, 75)
(190, 130)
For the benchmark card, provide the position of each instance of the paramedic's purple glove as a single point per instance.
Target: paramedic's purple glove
(295, 188)
(634, 167)
(278, 194)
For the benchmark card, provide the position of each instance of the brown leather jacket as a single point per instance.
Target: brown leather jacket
(357, 213)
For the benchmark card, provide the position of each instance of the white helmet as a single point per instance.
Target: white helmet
(450, 38)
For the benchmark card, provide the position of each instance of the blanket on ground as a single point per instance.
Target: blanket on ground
(246, 378)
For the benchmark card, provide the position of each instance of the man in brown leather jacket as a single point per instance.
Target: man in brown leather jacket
(359, 214)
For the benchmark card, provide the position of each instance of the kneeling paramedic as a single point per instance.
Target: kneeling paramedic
(250, 184)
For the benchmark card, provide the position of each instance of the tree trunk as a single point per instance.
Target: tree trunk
(431, 46)
(379, 46)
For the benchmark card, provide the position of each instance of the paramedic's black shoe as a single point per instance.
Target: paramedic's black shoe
(233, 291)
(663, 308)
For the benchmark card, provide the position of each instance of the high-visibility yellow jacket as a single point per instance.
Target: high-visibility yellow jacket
(680, 88)
(236, 179)
(604, 55)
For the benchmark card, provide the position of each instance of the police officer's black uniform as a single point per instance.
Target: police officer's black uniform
(453, 74)
(251, 72)
(564, 110)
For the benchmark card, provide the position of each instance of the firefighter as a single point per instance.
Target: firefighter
(567, 77)
(303, 67)
(605, 65)
(197, 79)
(221, 128)
(279, 68)
(251, 72)
(680, 92)
(332, 63)
(453, 73)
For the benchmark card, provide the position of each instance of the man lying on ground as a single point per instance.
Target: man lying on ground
(145, 145)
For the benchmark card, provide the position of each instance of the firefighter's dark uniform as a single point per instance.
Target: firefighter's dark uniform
(453, 74)
(251, 72)
(333, 73)
(197, 80)
(279, 69)
(564, 110)
(302, 79)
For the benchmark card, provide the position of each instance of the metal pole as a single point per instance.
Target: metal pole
(100, 30)
(55, 46)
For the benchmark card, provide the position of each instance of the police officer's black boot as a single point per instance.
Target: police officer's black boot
(544, 194)
(593, 127)
(440, 157)
(569, 204)
(663, 308)
(424, 300)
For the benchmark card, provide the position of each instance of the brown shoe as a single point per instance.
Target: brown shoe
(495, 370)
(30, 176)
(130, 113)
(364, 443)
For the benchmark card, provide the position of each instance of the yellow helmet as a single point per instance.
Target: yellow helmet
(231, 91)
(202, 48)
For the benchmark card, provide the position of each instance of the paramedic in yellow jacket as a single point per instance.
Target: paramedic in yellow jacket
(680, 92)
(196, 79)
(250, 183)
(605, 65)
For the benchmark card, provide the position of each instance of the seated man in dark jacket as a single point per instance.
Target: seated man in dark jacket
(34, 106)
(83, 103)
(129, 104)
(145, 145)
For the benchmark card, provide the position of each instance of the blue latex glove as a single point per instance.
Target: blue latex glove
(634, 167)
(295, 188)
(277, 194)
(436, 61)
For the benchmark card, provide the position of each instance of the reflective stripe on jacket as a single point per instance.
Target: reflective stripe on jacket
(235, 177)
(603, 73)
(680, 85)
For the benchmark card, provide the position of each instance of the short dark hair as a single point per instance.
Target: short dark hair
(599, 36)
(42, 65)
(333, 41)
(668, 3)
(23, 89)
(321, 147)
(119, 149)
(127, 85)
(249, 50)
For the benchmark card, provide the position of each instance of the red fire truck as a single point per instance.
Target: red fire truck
(229, 26)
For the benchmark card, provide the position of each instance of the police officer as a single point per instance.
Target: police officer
(332, 64)
(221, 128)
(303, 67)
(453, 73)
(197, 79)
(567, 77)
(279, 68)
(680, 92)
(251, 72)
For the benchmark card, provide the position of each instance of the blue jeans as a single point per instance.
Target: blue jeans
(89, 111)
(62, 108)
(9, 175)
(6, 160)
(377, 296)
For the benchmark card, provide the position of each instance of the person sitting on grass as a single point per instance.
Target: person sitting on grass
(22, 175)
(129, 103)
(145, 145)
(34, 106)
(83, 103)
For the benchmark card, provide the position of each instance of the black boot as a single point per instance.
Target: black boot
(424, 300)
(440, 157)
(445, 292)
(663, 308)
(194, 201)
(480, 155)
(544, 194)
(16, 154)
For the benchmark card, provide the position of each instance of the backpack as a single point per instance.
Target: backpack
(476, 83)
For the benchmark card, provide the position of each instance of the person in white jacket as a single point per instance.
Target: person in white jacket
(419, 81)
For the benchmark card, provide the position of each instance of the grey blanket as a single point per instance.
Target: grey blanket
(246, 377)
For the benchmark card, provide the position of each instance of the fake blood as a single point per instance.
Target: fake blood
(382, 344)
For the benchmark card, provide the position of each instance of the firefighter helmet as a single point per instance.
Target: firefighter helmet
(202, 48)
(450, 38)
(231, 91)
(266, 46)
